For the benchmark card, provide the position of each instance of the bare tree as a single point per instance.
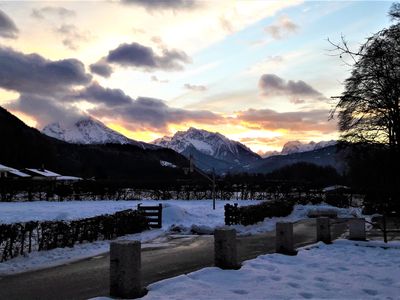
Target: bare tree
(368, 109)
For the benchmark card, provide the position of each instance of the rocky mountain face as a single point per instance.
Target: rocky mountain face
(210, 150)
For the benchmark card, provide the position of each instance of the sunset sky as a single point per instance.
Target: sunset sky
(260, 72)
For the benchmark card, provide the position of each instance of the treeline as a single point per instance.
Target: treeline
(297, 180)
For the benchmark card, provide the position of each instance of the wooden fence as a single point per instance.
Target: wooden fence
(153, 215)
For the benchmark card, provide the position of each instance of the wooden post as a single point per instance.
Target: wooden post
(357, 229)
(125, 269)
(324, 230)
(159, 215)
(225, 251)
(284, 242)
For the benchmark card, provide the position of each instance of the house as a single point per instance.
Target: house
(8, 172)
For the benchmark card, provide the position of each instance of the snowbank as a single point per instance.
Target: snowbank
(343, 270)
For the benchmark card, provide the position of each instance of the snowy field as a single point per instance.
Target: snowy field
(343, 270)
(196, 215)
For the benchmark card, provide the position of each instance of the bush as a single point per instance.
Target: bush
(252, 214)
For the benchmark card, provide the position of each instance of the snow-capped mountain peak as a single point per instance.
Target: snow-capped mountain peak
(298, 147)
(212, 144)
(87, 131)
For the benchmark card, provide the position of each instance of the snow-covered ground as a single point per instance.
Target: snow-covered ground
(186, 215)
(343, 270)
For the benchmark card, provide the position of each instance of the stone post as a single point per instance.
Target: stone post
(125, 269)
(225, 251)
(324, 230)
(284, 238)
(357, 229)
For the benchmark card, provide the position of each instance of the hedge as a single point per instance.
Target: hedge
(21, 238)
(252, 214)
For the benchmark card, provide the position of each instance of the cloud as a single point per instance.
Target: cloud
(33, 74)
(312, 120)
(101, 68)
(164, 4)
(156, 79)
(281, 28)
(271, 84)
(57, 11)
(153, 114)
(145, 58)
(193, 87)
(45, 109)
(8, 29)
(97, 94)
(71, 36)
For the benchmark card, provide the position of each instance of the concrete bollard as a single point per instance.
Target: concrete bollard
(357, 229)
(284, 238)
(225, 251)
(324, 230)
(125, 269)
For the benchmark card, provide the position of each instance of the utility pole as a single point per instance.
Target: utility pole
(193, 168)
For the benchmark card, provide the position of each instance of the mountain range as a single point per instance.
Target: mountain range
(210, 151)
(24, 147)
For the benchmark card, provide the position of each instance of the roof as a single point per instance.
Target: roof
(71, 178)
(44, 172)
(4, 168)
(13, 171)
(335, 187)
(19, 173)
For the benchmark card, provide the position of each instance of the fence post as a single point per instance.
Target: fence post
(225, 251)
(125, 269)
(324, 230)
(357, 229)
(284, 242)
(159, 215)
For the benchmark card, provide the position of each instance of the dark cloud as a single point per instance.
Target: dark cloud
(45, 109)
(33, 74)
(193, 87)
(143, 57)
(72, 36)
(101, 68)
(295, 121)
(57, 11)
(281, 28)
(8, 29)
(271, 84)
(97, 94)
(154, 114)
(164, 4)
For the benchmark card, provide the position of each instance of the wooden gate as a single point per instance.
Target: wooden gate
(153, 214)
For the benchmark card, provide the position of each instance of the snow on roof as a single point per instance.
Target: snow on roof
(19, 173)
(335, 187)
(4, 168)
(13, 171)
(44, 172)
(66, 178)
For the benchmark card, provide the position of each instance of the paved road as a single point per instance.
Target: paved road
(89, 278)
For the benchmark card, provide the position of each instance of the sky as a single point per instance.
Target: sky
(260, 72)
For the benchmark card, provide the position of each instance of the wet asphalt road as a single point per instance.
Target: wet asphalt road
(90, 277)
